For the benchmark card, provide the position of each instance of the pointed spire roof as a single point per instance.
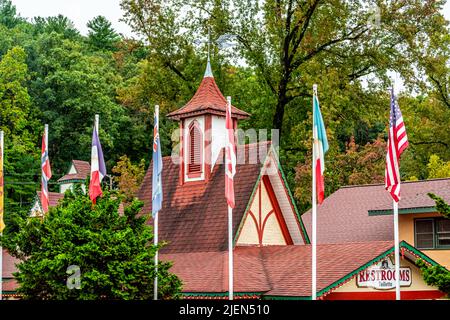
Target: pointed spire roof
(207, 100)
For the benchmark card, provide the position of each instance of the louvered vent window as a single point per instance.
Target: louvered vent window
(195, 149)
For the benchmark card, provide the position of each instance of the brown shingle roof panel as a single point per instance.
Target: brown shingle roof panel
(194, 215)
(207, 99)
(83, 170)
(9, 264)
(272, 270)
(344, 217)
(53, 198)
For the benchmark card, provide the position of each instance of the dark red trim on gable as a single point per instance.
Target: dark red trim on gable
(385, 295)
(278, 213)
(208, 137)
(292, 207)
(181, 152)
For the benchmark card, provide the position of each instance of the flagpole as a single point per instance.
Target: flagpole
(155, 231)
(314, 213)
(2, 210)
(397, 252)
(230, 254)
(97, 122)
(155, 242)
(230, 237)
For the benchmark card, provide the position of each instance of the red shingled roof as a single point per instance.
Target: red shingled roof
(9, 264)
(272, 270)
(207, 99)
(194, 215)
(344, 216)
(53, 198)
(83, 169)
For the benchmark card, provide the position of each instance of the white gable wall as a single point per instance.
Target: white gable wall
(218, 137)
(271, 230)
(281, 193)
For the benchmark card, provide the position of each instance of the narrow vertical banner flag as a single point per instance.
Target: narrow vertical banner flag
(230, 157)
(2, 223)
(98, 167)
(157, 196)
(320, 148)
(397, 143)
(46, 172)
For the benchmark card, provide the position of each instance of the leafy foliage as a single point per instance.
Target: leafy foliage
(112, 250)
(129, 177)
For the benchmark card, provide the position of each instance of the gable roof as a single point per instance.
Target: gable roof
(268, 270)
(53, 198)
(82, 168)
(344, 215)
(9, 265)
(194, 215)
(207, 99)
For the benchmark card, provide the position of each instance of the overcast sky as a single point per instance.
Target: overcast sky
(81, 11)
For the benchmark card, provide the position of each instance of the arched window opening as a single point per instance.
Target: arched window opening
(195, 150)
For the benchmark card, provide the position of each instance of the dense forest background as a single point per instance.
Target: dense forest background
(50, 73)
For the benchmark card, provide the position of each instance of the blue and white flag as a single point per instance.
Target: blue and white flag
(157, 196)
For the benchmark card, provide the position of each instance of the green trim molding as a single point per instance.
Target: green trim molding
(386, 212)
(220, 294)
(390, 251)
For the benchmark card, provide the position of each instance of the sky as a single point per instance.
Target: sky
(81, 11)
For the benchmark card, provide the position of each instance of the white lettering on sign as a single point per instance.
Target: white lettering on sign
(382, 276)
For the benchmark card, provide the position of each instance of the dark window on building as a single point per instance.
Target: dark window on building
(432, 233)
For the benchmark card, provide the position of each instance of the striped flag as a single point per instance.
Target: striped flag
(320, 148)
(98, 167)
(157, 196)
(230, 157)
(397, 143)
(46, 171)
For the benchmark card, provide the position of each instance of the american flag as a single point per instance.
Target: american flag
(46, 172)
(397, 143)
(230, 158)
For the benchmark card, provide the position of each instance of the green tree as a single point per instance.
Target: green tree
(112, 251)
(18, 121)
(128, 177)
(59, 24)
(8, 14)
(101, 34)
(438, 168)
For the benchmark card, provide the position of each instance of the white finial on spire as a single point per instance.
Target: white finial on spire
(208, 71)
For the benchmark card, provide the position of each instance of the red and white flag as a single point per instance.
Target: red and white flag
(46, 171)
(230, 157)
(98, 167)
(397, 143)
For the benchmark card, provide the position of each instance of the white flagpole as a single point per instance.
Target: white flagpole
(155, 242)
(155, 235)
(1, 233)
(397, 252)
(97, 122)
(314, 212)
(230, 241)
(230, 254)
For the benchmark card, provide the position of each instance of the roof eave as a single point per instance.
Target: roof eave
(387, 212)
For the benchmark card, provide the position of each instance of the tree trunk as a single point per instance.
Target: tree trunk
(282, 101)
